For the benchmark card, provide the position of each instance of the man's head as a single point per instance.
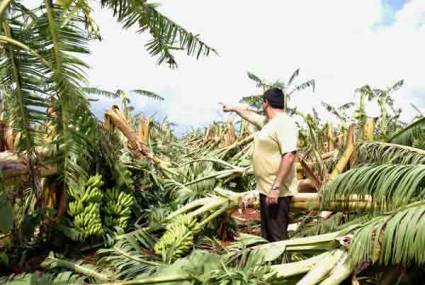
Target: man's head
(273, 98)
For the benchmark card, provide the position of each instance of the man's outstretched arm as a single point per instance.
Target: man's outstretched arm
(250, 116)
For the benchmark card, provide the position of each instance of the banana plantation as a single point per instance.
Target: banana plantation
(122, 200)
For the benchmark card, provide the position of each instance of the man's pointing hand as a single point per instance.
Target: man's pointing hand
(226, 108)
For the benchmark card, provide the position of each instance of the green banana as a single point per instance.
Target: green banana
(85, 207)
(117, 205)
(178, 238)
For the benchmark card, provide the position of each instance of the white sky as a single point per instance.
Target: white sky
(342, 44)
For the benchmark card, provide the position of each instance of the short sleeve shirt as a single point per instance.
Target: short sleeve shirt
(277, 137)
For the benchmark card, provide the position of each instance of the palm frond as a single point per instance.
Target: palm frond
(147, 93)
(293, 76)
(260, 83)
(75, 133)
(408, 135)
(302, 86)
(99, 92)
(420, 113)
(331, 109)
(253, 101)
(388, 185)
(130, 256)
(278, 84)
(167, 36)
(366, 91)
(396, 86)
(396, 238)
(21, 79)
(88, 270)
(320, 226)
(380, 152)
(47, 278)
(20, 76)
(72, 8)
(346, 106)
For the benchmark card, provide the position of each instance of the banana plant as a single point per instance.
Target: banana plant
(287, 88)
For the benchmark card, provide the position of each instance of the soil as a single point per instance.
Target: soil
(248, 215)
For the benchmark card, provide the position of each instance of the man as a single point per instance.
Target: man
(275, 147)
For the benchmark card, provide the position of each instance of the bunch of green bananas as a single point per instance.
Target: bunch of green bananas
(117, 208)
(85, 207)
(178, 238)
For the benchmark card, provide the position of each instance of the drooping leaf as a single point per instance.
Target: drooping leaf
(260, 83)
(304, 85)
(387, 185)
(167, 36)
(293, 76)
(148, 94)
(408, 135)
(380, 152)
(99, 92)
(396, 238)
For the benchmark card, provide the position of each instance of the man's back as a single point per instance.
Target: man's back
(276, 137)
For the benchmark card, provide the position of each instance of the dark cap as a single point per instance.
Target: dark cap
(275, 98)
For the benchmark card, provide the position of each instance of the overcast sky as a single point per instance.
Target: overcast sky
(342, 44)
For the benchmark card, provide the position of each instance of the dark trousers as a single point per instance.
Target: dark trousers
(274, 219)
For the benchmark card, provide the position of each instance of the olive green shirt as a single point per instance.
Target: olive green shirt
(277, 137)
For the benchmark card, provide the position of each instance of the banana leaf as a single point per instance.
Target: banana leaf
(413, 132)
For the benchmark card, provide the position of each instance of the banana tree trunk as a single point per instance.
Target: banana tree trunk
(342, 163)
(114, 117)
(144, 129)
(368, 130)
(330, 139)
(230, 136)
(286, 270)
(340, 272)
(321, 269)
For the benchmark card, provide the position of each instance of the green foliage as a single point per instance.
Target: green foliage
(21, 80)
(320, 226)
(90, 271)
(339, 112)
(389, 185)
(396, 238)
(411, 135)
(193, 269)
(148, 94)
(380, 152)
(388, 119)
(126, 257)
(247, 275)
(256, 100)
(189, 173)
(167, 36)
(63, 278)
(75, 133)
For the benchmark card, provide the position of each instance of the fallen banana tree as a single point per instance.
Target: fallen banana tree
(333, 257)
(114, 118)
(261, 256)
